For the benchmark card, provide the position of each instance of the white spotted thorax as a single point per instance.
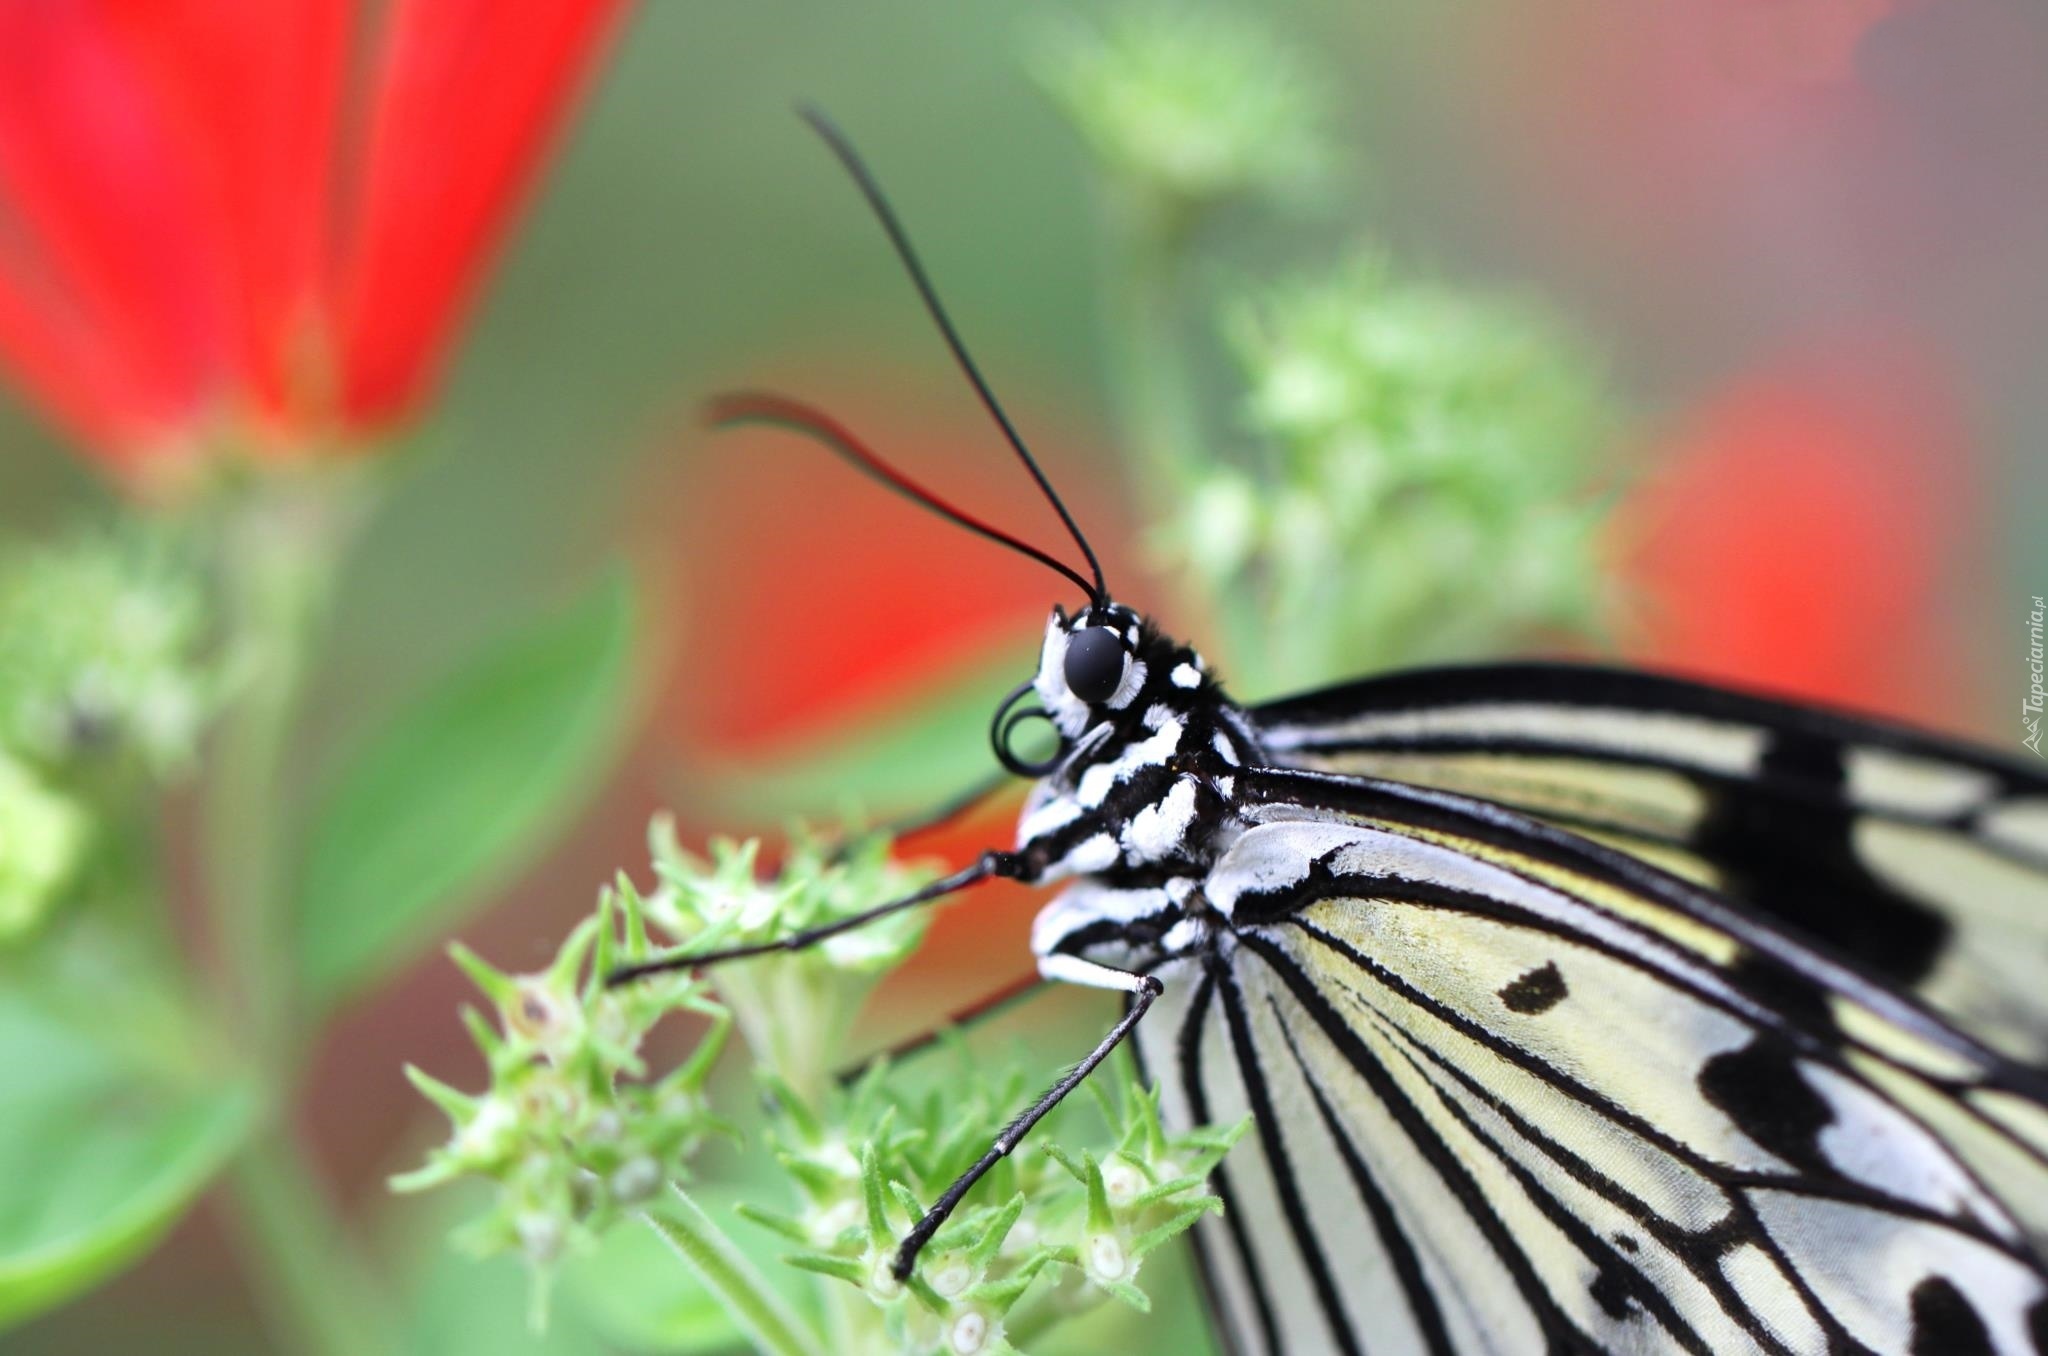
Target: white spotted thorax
(1140, 804)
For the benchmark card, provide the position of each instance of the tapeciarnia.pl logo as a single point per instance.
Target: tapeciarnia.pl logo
(2030, 709)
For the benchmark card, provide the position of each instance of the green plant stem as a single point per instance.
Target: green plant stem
(1160, 415)
(279, 553)
(307, 1280)
(747, 1298)
(1150, 242)
(276, 560)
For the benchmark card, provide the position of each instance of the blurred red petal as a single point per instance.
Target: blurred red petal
(1792, 41)
(252, 90)
(1793, 541)
(52, 353)
(978, 944)
(466, 95)
(109, 284)
(817, 596)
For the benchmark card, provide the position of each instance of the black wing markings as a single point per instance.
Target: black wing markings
(1271, 1139)
(1422, 1304)
(1773, 817)
(1201, 1113)
(1498, 826)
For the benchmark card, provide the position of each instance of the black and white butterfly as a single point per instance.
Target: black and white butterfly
(1575, 1009)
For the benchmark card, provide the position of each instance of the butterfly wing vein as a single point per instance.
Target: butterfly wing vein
(1546, 1125)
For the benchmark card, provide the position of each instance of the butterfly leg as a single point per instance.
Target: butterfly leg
(1072, 969)
(990, 866)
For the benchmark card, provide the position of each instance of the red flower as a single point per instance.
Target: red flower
(1794, 539)
(820, 599)
(202, 224)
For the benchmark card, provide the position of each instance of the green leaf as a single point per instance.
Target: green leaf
(462, 789)
(932, 746)
(99, 1155)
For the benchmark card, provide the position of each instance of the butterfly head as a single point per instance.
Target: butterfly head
(1092, 665)
(1148, 749)
(1101, 671)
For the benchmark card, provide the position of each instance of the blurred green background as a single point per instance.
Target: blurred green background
(1851, 203)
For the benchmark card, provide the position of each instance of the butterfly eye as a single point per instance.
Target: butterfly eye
(1095, 664)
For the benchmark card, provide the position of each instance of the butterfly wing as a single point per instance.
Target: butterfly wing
(1921, 859)
(1515, 1092)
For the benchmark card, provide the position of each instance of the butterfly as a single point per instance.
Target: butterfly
(1575, 1009)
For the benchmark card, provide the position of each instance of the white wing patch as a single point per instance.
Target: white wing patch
(2018, 826)
(1885, 779)
(1895, 1260)
(1691, 740)
(1495, 1117)
(1989, 975)
(1922, 860)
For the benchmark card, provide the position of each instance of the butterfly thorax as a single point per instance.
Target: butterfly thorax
(1143, 798)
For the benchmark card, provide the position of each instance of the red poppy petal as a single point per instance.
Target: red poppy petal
(466, 96)
(106, 267)
(252, 90)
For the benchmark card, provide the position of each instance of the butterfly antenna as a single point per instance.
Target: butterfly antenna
(898, 237)
(749, 407)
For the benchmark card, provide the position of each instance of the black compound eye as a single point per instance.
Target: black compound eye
(1095, 664)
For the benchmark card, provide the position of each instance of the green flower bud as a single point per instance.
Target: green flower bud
(566, 1132)
(635, 1181)
(1435, 462)
(1188, 108)
(793, 1008)
(106, 659)
(1042, 1208)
